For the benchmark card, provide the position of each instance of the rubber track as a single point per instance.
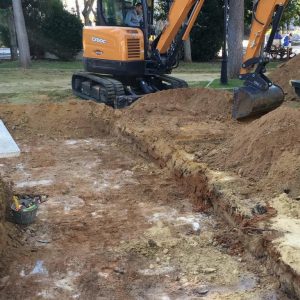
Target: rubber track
(107, 84)
(175, 82)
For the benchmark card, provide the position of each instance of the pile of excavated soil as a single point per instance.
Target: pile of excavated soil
(268, 149)
(4, 196)
(286, 72)
(71, 119)
(199, 121)
(205, 104)
(180, 116)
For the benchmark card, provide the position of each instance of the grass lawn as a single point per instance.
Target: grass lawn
(232, 83)
(45, 81)
(195, 67)
(51, 80)
(198, 84)
(210, 67)
(44, 64)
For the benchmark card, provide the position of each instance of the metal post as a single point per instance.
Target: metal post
(224, 77)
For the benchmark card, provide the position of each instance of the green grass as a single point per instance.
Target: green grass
(232, 83)
(45, 81)
(198, 84)
(195, 67)
(36, 97)
(211, 67)
(44, 64)
(198, 67)
(50, 81)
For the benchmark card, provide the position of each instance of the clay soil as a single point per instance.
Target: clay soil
(115, 225)
(264, 151)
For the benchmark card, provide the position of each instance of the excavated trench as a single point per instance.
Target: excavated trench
(123, 220)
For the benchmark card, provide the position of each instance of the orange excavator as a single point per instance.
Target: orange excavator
(122, 63)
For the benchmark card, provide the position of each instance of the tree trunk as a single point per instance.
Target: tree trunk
(12, 35)
(77, 9)
(22, 36)
(187, 50)
(235, 37)
(88, 8)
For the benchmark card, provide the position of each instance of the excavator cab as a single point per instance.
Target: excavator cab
(114, 46)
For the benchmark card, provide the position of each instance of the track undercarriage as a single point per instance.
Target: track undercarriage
(120, 92)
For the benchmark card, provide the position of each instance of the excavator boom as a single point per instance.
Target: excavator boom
(259, 94)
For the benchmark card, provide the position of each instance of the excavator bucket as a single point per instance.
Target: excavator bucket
(251, 101)
(296, 85)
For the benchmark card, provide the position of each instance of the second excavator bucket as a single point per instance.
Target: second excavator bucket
(250, 101)
(296, 85)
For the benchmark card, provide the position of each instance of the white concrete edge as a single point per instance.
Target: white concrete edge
(8, 147)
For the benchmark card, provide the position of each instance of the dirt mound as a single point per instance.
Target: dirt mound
(206, 104)
(269, 149)
(4, 195)
(284, 73)
(70, 119)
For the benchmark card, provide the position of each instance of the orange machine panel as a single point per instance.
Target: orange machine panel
(113, 43)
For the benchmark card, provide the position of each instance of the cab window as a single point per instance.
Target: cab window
(114, 12)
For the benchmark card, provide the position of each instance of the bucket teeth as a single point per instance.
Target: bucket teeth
(250, 101)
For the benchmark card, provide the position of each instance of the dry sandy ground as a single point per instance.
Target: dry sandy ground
(115, 226)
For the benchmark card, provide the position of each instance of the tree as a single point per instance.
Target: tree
(161, 8)
(77, 9)
(291, 14)
(207, 33)
(8, 31)
(52, 29)
(61, 33)
(88, 9)
(235, 37)
(22, 36)
(12, 34)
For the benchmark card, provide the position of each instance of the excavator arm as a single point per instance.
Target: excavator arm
(178, 15)
(259, 94)
(181, 19)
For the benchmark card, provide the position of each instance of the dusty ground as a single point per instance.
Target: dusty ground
(115, 226)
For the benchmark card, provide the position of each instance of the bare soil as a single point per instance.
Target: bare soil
(4, 229)
(116, 226)
(263, 150)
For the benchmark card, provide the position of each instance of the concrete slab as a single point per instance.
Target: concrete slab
(8, 147)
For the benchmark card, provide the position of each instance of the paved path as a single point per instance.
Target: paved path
(197, 76)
